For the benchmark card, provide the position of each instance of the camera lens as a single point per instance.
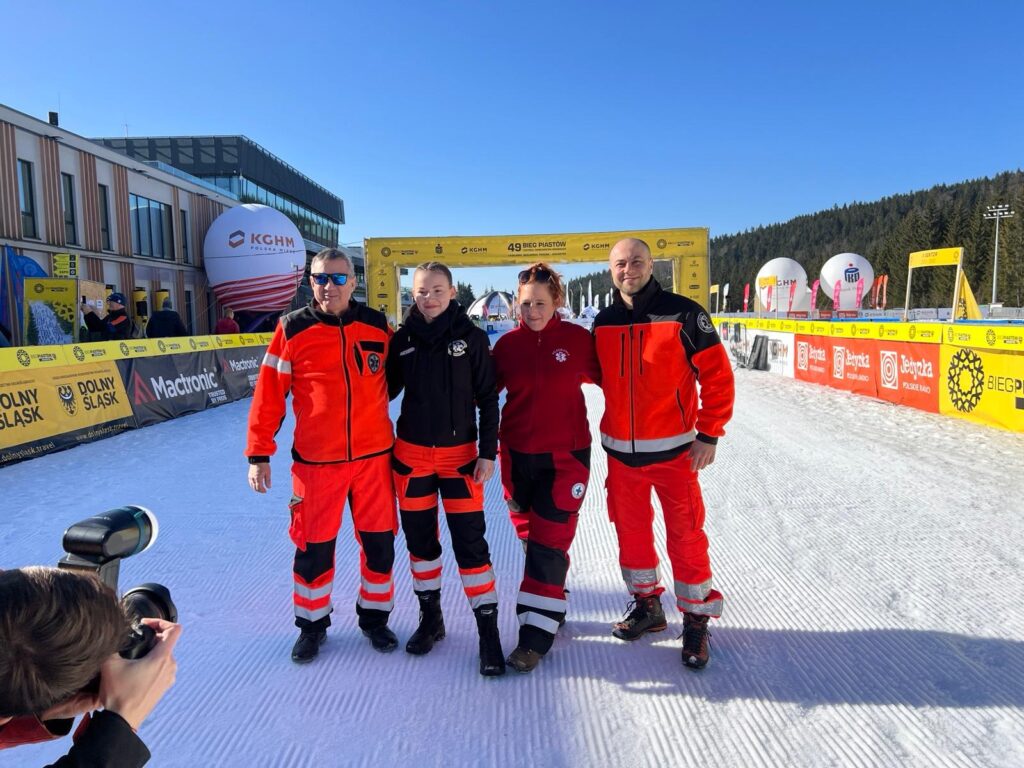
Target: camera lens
(146, 601)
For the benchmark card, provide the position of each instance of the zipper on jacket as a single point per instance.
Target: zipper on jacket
(632, 427)
(640, 349)
(348, 396)
(622, 356)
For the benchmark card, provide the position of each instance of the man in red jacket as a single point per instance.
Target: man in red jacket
(660, 429)
(330, 357)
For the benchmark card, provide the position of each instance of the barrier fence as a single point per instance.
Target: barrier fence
(55, 397)
(973, 372)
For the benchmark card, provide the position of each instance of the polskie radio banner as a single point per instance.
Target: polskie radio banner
(167, 386)
(50, 409)
(239, 368)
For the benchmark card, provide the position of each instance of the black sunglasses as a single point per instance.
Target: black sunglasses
(321, 278)
(539, 274)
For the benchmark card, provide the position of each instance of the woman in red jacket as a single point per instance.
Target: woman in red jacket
(545, 450)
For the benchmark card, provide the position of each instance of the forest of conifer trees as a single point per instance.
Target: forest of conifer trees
(884, 232)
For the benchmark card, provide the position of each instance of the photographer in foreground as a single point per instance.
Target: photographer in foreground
(60, 634)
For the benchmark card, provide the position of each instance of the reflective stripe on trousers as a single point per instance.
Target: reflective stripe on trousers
(479, 586)
(426, 574)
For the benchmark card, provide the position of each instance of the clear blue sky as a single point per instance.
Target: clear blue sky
(440, 118)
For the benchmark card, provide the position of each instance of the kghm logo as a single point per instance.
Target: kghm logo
(888, 366)
(965, 380)
(23, 358)
(236, 238)
(67, 398)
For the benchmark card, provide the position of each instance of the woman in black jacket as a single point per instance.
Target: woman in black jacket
(443, 362)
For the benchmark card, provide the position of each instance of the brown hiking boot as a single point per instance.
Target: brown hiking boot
(523, 660)
(644, 614)
(695, 640)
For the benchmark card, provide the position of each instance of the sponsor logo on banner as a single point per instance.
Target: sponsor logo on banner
(965, 380)
(839, 362)
(888, 368)
(19, 408)
(67, 399)
(801, 355)
(24, 358)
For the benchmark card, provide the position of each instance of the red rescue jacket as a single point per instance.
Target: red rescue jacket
(542, 371)
(334, 369)
(653, 357)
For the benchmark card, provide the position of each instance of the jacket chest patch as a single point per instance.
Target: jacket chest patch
(457, 348)
(704, 323)
(560, 355)
(373, 362)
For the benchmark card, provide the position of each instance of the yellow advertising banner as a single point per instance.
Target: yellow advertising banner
(966, 305)
(35, 405)
(939, 257)
(20, 358)
(982, 386)
(51, 311)
(64, 265)
(686, 248)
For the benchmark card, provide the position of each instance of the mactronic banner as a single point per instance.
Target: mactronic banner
(53, 408)
(164, 387)
(51, 311)
(239, 369)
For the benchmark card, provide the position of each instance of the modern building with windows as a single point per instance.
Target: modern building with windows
(134, 224)
(243, 170)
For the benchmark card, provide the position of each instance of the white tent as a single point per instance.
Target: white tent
(494, 304)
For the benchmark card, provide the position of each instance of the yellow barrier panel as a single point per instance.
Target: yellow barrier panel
(35, 405)
(20, 358)
(938, 257)
(983, 386)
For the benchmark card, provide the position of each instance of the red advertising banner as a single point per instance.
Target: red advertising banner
(813, 355)
(792, 295)
(768, 306)
(835, 294)
(860, 293)
(908, 374)
(814, 294)
(853, 366)
(746, 296)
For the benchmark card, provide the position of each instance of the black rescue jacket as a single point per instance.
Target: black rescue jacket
(446, 370)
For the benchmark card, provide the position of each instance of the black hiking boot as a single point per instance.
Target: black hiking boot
(381, 638)
(431, 628)
(308, 645)
(492, 662)
(645, 614)
(523, 660)
(695, 640)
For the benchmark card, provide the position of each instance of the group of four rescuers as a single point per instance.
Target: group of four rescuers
(668, 390)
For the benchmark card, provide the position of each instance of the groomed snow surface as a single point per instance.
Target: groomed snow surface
(870, 556)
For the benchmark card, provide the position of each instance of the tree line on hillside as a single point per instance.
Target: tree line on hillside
(884, 232)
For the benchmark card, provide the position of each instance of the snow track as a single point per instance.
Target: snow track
(870, 558)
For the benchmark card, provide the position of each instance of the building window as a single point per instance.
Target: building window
(105, 218)
(27, 199)
(152, 233)
(184, 237)
(189, 323)
(68, 189)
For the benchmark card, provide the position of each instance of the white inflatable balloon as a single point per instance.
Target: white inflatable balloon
(788, 272)
(847, 269)
(254, 258)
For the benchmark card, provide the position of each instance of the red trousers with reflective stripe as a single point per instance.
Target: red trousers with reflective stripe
(630, 510)
(319, 493)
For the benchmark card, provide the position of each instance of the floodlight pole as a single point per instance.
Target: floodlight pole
(996, 212)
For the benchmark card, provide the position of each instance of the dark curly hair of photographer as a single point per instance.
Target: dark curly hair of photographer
(56, 628)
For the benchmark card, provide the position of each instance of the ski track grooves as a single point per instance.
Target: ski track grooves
(869, 556)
